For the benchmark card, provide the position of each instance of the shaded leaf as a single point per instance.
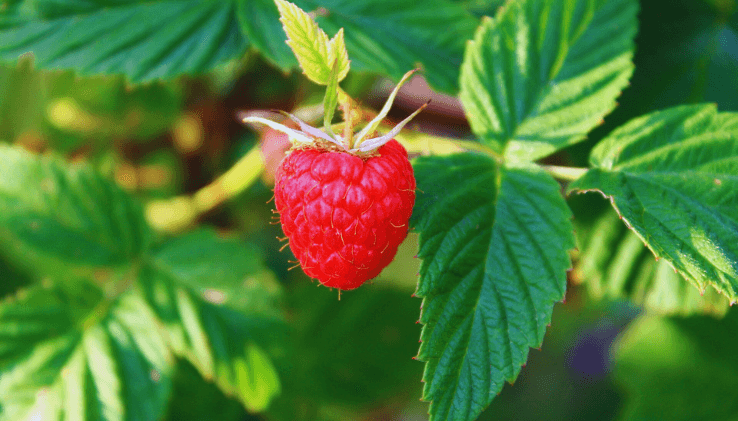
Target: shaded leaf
(673, 177)
(63, 359)
(541, 74)
(143, 40)
(494, 246)
(614, 264)
(56, 216)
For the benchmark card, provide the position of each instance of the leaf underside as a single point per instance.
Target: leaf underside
(165, 38)
(614, 264)
(673, 177)
(494, 252)
(542, 74)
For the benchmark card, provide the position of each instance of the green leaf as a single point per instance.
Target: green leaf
(542, 74)
(220, 312)
(60, 218)
(314, 51)
(391, 37)
(142, 40)
(673, 177)
(494, 246)
(678, 369)
(614, 264)
(63, 359)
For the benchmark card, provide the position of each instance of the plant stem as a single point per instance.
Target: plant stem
(565, 173)
(178, 213)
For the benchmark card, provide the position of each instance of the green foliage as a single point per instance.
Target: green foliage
(673, 177)
(678, 369)
(541, 75)
(164, 38)
(73, 221)
(62, 358)
(494, 252)
(614, 264)
(219, 330)
(316, 54)
(102, 318)
(71, 349)
(143, 40)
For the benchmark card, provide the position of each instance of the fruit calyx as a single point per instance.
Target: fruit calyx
(360, 144)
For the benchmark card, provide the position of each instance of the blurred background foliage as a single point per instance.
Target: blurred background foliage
(617, 349)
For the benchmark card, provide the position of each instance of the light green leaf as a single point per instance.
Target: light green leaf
(143, 40)
(614, 264)
(542, 74)
(62, 218)
(391, 37)
(314, 51)
(673, 177)
(228, 334)
(65, 360)
(678, 369)
(494, 246)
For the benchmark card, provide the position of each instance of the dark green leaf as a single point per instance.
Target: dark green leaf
(542, 74)
(614, 264)
(143, 40)
(673, 177)
(494, 246)
(679, 369)
(55, 216)
(229, 326)
(63, 359)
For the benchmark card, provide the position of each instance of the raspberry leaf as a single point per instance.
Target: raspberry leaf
(614, 264)
(673, 177)
(64, 357)
(494, 252)
(60, 220)
(542, 74)
(316, 54)
(220, 311)
(143, 40)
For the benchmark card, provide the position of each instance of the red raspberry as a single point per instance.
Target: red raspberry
(345, 214)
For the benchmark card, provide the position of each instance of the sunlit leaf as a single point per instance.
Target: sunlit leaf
(673, 177)
(614, 264)
(63, 359)
(541, 74)
(227, 337)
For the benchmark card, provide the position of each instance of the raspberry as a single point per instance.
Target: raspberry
(344, 201)
(344, 214)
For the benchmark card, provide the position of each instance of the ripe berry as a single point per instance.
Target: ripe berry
(344, 201)
(345, 214)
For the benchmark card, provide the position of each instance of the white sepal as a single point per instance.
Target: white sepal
(377, 142)
(293, 135)
(372, 126)
(312, 131)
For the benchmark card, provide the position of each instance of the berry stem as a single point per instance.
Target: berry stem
(564, 173)
(183, 211)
